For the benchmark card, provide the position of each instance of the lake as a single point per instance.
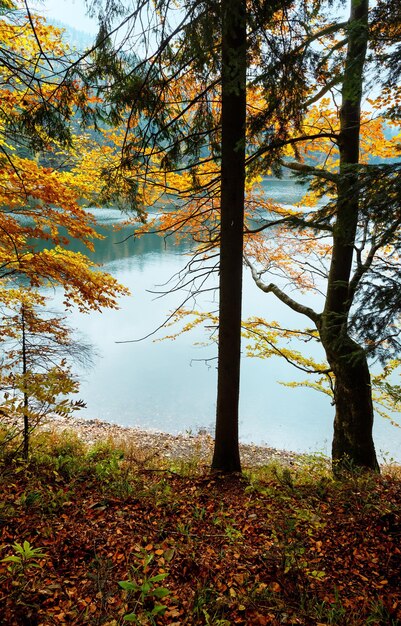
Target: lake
(171, 385)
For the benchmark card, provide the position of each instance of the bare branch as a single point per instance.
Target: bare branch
(272, 288)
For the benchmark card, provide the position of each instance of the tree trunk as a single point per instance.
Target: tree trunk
(25, 449)
(353, 442)
(226, 451)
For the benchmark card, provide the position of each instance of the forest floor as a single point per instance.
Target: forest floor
(107, 534)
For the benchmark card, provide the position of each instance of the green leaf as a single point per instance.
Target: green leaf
(18, 547)
(161, 592)
(149, 558)
(130, 617)
(158, 608)
(157, 578)
(11, 559)
(128, 585)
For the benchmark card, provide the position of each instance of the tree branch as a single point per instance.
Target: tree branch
(362, 268)
(272, 288)
(291, 219)
(274, 145)
(309, 169)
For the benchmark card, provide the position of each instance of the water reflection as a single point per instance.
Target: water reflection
(165, 385)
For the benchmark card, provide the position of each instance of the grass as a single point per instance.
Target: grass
(104, 535)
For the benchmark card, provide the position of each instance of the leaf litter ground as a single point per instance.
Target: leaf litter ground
(278, 546)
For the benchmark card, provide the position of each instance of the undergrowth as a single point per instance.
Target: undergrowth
(110, 534)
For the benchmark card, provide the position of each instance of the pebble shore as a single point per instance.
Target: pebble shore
(183, 446)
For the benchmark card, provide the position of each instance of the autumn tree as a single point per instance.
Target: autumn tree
(38, 351)
(360, 296)
(186, 123)
(176, 129)
(37, 201)
(356, 234)
(353, 421)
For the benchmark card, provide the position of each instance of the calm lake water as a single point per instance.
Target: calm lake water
(165, 385)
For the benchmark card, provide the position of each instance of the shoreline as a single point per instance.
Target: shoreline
(183, 446)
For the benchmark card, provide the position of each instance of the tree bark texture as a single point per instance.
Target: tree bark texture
(226, 451)
(25, 450)
(353, 441)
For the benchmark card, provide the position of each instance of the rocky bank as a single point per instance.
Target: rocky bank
(183, 446)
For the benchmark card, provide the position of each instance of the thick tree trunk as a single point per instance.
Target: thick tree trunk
(353, 442)
(226, 451)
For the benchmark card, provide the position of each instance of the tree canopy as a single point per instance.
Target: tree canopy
(41, 199)
(158, 77)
